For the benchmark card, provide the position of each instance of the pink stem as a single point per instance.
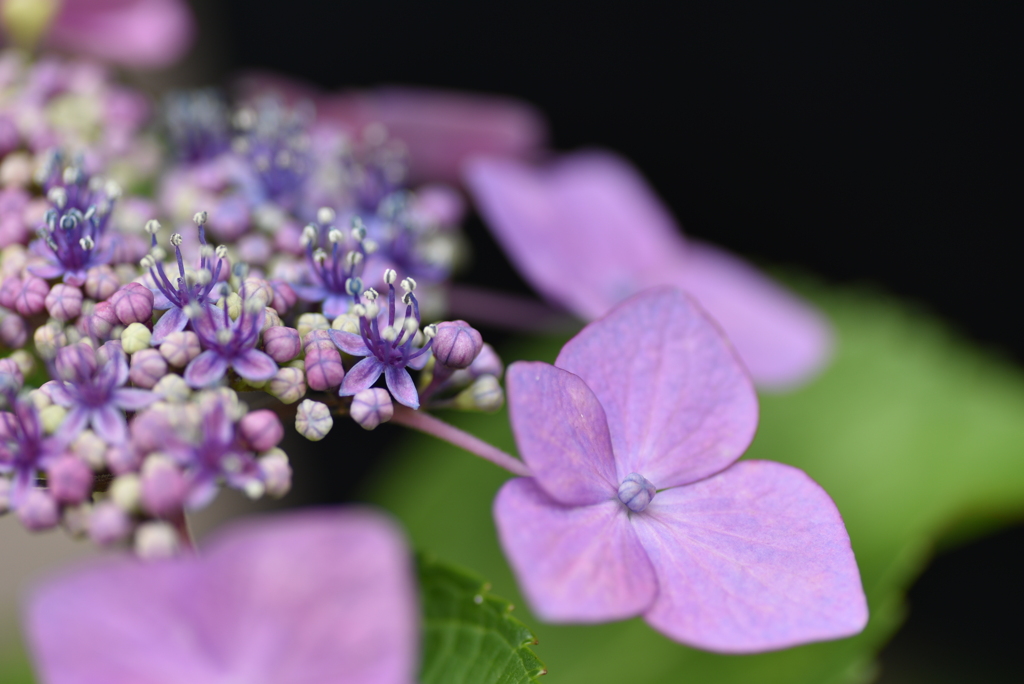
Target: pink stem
(506, 311)
(424, 422)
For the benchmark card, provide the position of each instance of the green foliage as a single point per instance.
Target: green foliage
(914, 433)
(470, 636)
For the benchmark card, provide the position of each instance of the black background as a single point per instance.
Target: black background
(861, 142)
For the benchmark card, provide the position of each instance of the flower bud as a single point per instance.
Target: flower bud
(126, 492)
(346, 323)
(173, 389)
(260, 430)
(100, 323)
(148, 368)
(135, 338)
(69, 480)
(51, 417)
(133, 303)
(180, 347)
(91, 448)
(25, 361)
(312, 321)
(162, 486)
(371, 407)
(284, 296)
(288, 385)
(636, 492)
(48, 339)
(75, 361)
(456, 344)
(31, 298)
(485, 394)
(9, 289)
(101, 282)
(313, 420)
(12, 331)
(155, 540)
(11, 376)
(76, 519)
(64, 302)
(271, 319)
(276, 473)
(108, 524)
(38, 511)
(281, 343)
(323, 367)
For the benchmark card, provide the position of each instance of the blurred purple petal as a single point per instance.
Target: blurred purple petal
(132, 399)
(362, 376)
(575, 564)
(679, 405)
(562, 433)
(401, 386)
(206, 369)
(132, 33)
(254, 365)
(174, 320)
(74, 422)
(754, 559)
(323, 596)
(109, 423)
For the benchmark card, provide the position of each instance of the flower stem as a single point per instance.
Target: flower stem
(184, 534)
(507, 311)
(427, 423)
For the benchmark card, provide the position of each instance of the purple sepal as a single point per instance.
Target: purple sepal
(401, 386)
(254, 365)
(361, 376)
(206, 369)
(350, 343)
(174, 320)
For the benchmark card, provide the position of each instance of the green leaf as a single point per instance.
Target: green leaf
(470, 636)
(917, 435)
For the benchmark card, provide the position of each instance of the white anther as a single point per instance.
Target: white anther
(176, 240)
(87, 242)
(200, 218)
(245, 118)
(147, 262)
(221, 251)
(193, 310)
(95, 183)
(408, 284)
(224, 335)
(335, 236)
(308, 236)
(430, 331)
(369, 246)
(353, 259)
(358, 229)
(319, 256)
(153, 226)
(158, 253)
(370, 295)
(59, 196)
(113, 190)
(204, 276)
(325, 215)
(407, 299)
(410, 325)
(390, 276)
(70, 175)
(205, 251)
(359, 310)
(390, 333)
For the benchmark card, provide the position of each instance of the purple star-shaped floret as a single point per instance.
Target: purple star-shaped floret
(588, 232)
(24, 447)
(91, 386)
(314, 596)
(637, 506)
(229, 343)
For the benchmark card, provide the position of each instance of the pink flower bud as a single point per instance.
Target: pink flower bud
(288, 385)
(123, 458)
(276, 473)
(456, 344)
(148, 366)
(163, 486)
(75, 361)
(12, 331)
(38, 511)
(180, 347)
(108, 523)
(100, 282)
(64, 302)
(31, 298)
(261, 430)
(11, 374)
(371, 407)
(100, 323)
(133, 303)
(69, 480)
(9, 290)
(281, 343)
(323, 367)
(284, 296)
(318, 339)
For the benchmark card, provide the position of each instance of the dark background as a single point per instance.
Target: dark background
(863, 143)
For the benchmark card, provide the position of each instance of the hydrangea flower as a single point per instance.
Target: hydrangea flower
(24, 447)
(587, 232)
(297, 598)
(637, 506)
(229, 343)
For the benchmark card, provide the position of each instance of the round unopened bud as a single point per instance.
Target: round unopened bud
(288, 385)
(456, 344)
(38, 511)
(31, 298)
(346, 323)
(261, 430)
(51, 417)
(156, 540)
(276, 473)
(312, 321)
(636, 492)
(69, 479)
(487, 362)
(108, 524)
(101, 282)
(281, 343)
(13, 333)
(25, 362)
(9, 289)
(284, 296)
(74, 361)
(133, 303)
(147, 369)
(371, 407)
(313, 420)
(11, 377)
(76, 519)
(122, 458)
(101, 322)
(91, 448)
(135, 338)
(323, 366)
(126, 492)
(180, 347)
(173, 389)
(64, 302)
(162, 486)
(485, 394)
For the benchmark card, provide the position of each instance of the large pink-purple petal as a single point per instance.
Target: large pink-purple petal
(574, 563)
(206, 369)
(562, 433)
(782, 340)
(401, 386)
(133, 33)
(133, 399)
(753, 559)
(679, 404)
(361, 376)
(308, 597)
(254, 365)
(586, 231)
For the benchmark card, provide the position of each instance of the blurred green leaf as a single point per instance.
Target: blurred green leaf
(470, 636)
(914, 432)
(14, 666)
